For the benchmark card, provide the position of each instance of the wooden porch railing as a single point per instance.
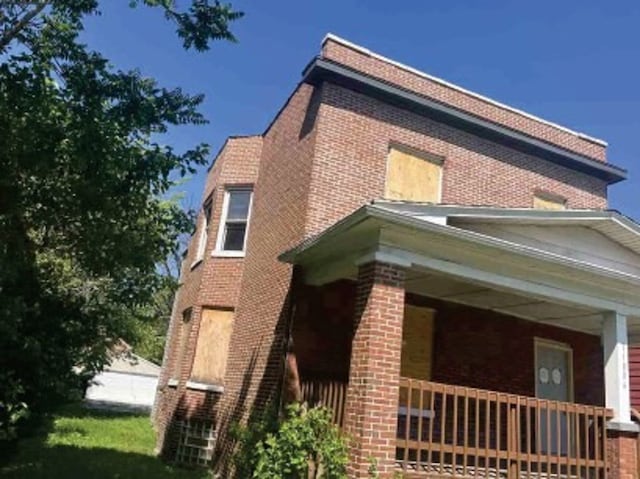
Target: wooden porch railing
(455, 431)
(330, 394)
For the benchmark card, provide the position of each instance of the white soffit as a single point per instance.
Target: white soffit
(580, 243)
(622, 231)
(578, 318)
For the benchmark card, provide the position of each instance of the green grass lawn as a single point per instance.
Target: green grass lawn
(80, 443)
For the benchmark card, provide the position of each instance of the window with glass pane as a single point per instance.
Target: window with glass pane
(204, 232)
(237, 215)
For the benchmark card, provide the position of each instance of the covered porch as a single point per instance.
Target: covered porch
(472, 342)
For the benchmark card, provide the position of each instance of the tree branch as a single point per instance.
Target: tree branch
(9, 35)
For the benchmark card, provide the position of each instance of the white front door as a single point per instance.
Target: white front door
(554, 381)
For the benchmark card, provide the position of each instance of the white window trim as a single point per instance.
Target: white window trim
(200, 386)
(204, 234)
(218, 251)
(196, 262)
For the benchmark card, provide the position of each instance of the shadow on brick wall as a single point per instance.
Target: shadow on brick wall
(343, 99)
(261, 414)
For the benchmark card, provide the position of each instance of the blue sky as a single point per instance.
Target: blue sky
(576, 63)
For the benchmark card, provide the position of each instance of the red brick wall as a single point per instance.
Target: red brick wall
(277, 223)
(622, 454)
(354, 134)
(371, 409)
(188, 404)
(390, 73)
(322, 330)
(237, 164)
(213, 282)
(487, 350)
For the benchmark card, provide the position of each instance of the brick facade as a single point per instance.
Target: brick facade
(390, 72)
(471, 344)
(256, 355)
(622, 453)
(372, 396)
(323, 156)
(354, 134)
(322, 330)
(213, 281)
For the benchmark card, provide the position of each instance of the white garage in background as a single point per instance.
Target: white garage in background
(128, 383)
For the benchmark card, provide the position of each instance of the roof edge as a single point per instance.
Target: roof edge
(453, 86)
(226, 141)
(377, 210)
(495, 212)
(326, 69)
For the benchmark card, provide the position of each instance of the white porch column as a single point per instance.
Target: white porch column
(616, 368)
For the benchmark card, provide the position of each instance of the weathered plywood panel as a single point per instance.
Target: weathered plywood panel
(541, 202)
(412, 178)
(212, 348)
(417, 343)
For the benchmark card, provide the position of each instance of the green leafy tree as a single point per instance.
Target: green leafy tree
(152, 319)
(84, 181)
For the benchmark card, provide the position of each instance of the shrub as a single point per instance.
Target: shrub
(307, 445)
(247, 438)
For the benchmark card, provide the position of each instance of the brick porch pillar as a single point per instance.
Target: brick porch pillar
(372, 397)
(622, 454)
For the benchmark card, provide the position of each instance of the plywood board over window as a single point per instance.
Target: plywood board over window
(417, 343)
(549, 201)
(413, 176)
(212, 348)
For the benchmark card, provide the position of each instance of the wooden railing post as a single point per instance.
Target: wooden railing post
(466, 427)
(513, 440)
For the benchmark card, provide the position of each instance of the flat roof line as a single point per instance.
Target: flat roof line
(366, 51)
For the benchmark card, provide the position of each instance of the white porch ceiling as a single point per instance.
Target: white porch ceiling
(585, 319)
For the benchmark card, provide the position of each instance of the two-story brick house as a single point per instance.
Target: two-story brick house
(442, 267)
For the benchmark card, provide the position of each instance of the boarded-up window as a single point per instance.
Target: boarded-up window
(548, 201)
(183, 340)
(212, 349)
(417, 343)
(413, 176)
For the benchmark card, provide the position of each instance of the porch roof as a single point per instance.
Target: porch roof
(562, 267)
